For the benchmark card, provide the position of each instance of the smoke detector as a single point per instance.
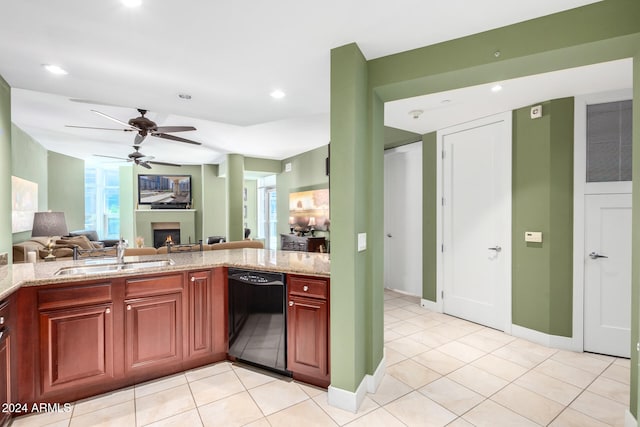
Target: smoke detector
(415, 113)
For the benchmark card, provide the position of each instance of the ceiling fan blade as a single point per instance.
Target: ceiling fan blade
(138, 139)
(165, 164)
(112, 157)
(144, 165)
(145, 158)
(91, 127)
(174, 138)
(106, 116)
(163, 129)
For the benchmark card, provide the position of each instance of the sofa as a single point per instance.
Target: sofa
(63, 247)
(92, 235)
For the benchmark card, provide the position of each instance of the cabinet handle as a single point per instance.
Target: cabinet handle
(193, 279)
(290, 303)
(305, 288)
(129, 308)
(108, 311)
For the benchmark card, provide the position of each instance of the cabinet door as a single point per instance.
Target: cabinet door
(200, 313)
(76, 346)
(153, 331)
(307, 338)
(5, 374)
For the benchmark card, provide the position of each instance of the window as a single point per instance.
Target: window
(102, 201)
(609, 142)
(267, 211)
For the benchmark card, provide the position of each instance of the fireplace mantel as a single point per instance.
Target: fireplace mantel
(146, 218)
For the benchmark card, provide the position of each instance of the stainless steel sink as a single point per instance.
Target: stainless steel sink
(109, 268)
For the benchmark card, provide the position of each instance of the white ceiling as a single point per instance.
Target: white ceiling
(229, 56)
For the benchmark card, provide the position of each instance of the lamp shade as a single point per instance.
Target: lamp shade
(49, 224)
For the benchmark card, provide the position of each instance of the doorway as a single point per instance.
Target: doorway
(403, 219)
(602, 224)
(474, 222)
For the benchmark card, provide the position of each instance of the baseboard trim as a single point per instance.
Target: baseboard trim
(629, 419)
(431, 305)
(351, 400)
(553, 341)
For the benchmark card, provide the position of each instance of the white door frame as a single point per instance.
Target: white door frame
(580, 189)
(438, 305)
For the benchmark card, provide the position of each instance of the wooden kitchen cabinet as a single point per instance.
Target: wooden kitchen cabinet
(76, 336)
(8, 377)
(308, 329)
(200, 313)
(153, 322)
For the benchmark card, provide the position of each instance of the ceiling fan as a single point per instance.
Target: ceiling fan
(139, 159)
(144, 127)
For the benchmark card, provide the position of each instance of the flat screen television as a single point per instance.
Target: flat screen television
(164, 190)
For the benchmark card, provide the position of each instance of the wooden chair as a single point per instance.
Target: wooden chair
(189, 247)
(79, 253)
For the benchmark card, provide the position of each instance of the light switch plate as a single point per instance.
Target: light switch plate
(362, 242)
(533, 236)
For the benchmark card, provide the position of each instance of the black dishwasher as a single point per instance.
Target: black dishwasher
(257, 318)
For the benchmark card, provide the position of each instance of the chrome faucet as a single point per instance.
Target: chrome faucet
(120, 247)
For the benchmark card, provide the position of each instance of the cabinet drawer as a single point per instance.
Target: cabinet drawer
(70, 296)
(309, 287)
(154, 285)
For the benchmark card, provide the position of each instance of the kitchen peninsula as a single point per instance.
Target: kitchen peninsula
(73, 335)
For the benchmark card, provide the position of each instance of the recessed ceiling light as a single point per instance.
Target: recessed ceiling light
(131, 3)
(278, 94)
(496, 88)
(54, 69)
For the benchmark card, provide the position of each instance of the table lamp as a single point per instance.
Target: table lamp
(49, 224)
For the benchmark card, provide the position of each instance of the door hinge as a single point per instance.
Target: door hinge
(443, 154)
(443, 201)
(442, 248)
(441, 294)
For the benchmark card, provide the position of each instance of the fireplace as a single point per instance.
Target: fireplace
(160, 236)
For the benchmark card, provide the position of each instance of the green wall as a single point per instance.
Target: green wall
(351, 154)
(213, 204)
(429, 216)
(196, 191)
(307, 171)
(599, 32)
(5, 168)
(29, 160)
(234, 185)
(65, 179)
(542, 279)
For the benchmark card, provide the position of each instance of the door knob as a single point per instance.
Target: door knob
(595, 255)
(389, 235)
(496, 248)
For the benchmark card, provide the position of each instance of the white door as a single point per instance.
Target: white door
(403, 219)
(476, 221)
(607, 273)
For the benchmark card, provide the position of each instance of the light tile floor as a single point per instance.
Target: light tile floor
(441, 371)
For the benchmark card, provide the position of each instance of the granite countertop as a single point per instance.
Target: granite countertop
(15, 276)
